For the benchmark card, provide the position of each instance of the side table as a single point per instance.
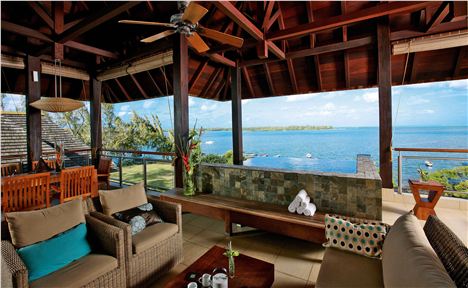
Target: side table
(425, 206)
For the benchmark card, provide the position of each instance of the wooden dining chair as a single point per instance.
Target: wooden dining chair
(11, 169)
(78, 183)
(103, 171)
(25, 192)
(49, 162)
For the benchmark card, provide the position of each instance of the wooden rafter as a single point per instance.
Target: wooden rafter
(345, 52)
(350, 18)
(122, 88)
(221, 83)
(140, 88)
(166, 78)
(210, 82)
(284, 45)
(154, 83)
(312, 43)
(221, 59)
(438, 17)
(91, 49)
(197, 73)
(96, 19)
(42, 13)
(269, 80)
(232, 12)
(457, 66)
(25, 31)
(267, 17)
(58, 14)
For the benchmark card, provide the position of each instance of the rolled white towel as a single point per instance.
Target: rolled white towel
(310, 209)
(300, 210)
(305, 202)
(302, 194)
(293, 206)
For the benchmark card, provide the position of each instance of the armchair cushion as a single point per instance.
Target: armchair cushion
(78, 273)
(30, 227)
(122, 199)
(152, 235)
(139, 218)
(49, 256)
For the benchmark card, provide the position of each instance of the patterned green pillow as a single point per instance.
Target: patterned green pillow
(361, 236)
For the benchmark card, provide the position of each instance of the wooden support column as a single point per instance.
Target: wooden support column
(236, 96)
(181, 111)
(385, 101)
(33, 115)
(95, 93)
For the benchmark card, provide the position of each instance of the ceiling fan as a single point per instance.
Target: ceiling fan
(186, 22)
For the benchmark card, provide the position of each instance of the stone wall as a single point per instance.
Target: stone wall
(358, 195)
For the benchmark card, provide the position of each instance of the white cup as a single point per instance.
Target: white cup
(192, 285)
(205, 280)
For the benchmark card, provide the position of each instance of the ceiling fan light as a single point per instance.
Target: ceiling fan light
(57, 104)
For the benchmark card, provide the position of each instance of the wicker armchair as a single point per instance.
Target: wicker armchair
(146, 264)
(107, 240)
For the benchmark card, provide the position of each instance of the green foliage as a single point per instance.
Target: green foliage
(445, 175)
(214, 159)
(423, 174)
(77, 122)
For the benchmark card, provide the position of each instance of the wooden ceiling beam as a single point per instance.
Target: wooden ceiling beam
(154, 83)
(273, 19)
(197, 73)
(240, 19)
(91, 49)
(58, 14)
(267, 17)
(220, 59)
(284, 44)
(248, 82)
(438, 17)
(25, 31)
(95, 20)
(221, 83)
(142, 91)
(345, 52)
(269, 80)
(72, 23)
(210, 82)
(350, 18)
(457, 66)
(122, 88)
(37, 7)
(312, 44)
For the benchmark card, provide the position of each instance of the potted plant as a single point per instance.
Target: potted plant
(231, 254)
(423, 175)
(191, 156)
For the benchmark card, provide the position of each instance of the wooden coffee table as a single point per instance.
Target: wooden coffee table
(250, 272)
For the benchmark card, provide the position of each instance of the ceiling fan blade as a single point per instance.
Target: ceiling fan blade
(158, 36)
(147, 23)
(221, 37)
(197, 43)
(193, 13)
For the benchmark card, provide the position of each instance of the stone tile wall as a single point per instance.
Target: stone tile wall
(358, 195)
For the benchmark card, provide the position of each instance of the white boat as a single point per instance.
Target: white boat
(428, 163)
(209, 142)
(308, 155)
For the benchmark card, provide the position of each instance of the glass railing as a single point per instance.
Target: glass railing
(446, 166)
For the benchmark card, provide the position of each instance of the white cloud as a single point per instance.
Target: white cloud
(212, 107)
(300, 97)
(458, 84)
(191, 102)
(124, 107)
(122, 113)
(148, 104)
(370, 97)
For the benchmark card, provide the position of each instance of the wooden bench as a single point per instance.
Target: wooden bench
(264, 216)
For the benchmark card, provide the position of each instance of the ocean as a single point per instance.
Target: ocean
(335, 150)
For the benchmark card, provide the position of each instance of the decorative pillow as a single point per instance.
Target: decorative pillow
(51, 255)
(361, 236)
(122, 199)
(29, 227)
(139, 218)
(451, 251)
(42, 166)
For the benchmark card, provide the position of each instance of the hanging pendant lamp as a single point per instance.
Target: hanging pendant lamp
(57, 104)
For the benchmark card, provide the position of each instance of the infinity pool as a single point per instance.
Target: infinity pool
(306, 164)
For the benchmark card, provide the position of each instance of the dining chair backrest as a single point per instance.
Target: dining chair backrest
(11, 168)
(104, 166)
(49, 162)
(78, 183)
(25, 192)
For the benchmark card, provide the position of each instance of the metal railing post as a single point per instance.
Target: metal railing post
(400, 170)
(145, 178)
(120, 171)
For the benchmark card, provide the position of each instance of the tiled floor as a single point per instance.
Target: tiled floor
(297, 262)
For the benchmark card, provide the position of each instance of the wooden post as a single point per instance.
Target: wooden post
(236, 96)
(385, 102)
(33, 115)
(95, 94)
(181, 111)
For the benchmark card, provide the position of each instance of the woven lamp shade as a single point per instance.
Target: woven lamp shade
(57, 104)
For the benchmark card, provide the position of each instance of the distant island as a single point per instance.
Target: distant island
(275, 128)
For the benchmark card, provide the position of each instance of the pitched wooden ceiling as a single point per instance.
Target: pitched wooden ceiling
(289, 48)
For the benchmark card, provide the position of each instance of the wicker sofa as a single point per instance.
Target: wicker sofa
(104, 267)
(411, 257)
(154, 251)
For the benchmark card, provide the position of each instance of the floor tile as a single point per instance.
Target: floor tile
(189, 231)
(208, 238)
(192, 252)
(283, 280)
(171, 274)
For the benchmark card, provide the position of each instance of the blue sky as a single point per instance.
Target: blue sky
(429, 104)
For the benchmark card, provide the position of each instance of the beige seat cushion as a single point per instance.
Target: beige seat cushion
(30, 227)
(345, 269)
(79, 272)
(152, 235)
(122, 199)
(408, 259)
